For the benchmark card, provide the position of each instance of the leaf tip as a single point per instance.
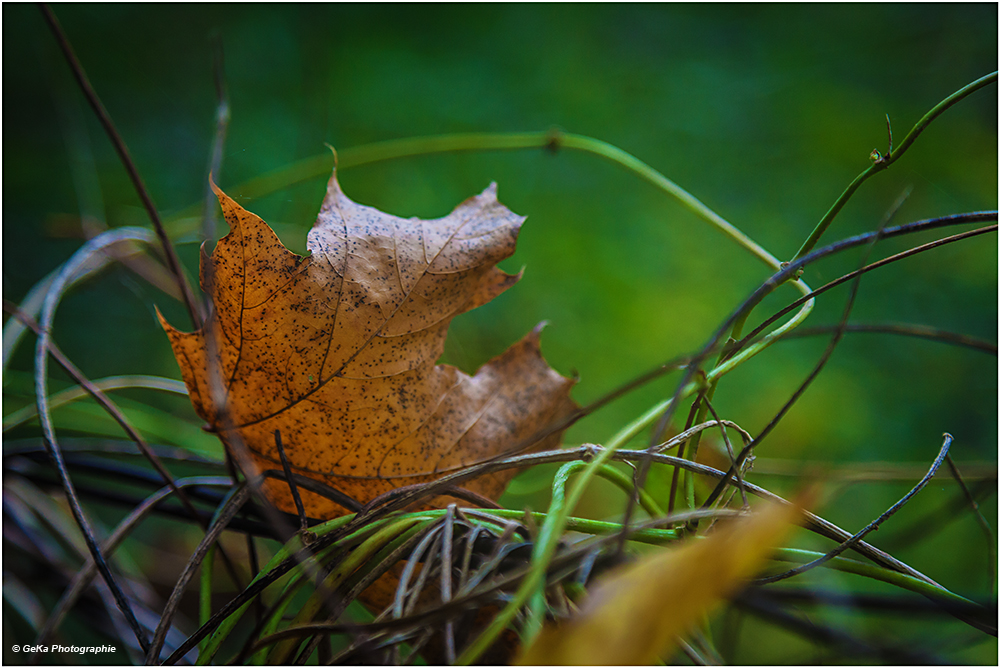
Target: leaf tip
(333, 190)
(225, 201)
(336, 158)
(214, 187)
(163, 321)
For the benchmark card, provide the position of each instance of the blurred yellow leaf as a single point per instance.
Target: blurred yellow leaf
(635, 615)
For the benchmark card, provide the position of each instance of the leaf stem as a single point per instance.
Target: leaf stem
(647, 173)
(845, 565)
(882, 162)
(395, 149)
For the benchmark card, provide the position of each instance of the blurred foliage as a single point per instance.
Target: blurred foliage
(764, 112)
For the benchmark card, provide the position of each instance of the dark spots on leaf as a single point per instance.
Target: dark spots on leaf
(339, 352)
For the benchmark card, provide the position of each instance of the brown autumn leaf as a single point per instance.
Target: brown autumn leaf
(337, 349)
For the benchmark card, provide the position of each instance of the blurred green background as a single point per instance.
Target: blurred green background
(764, 112)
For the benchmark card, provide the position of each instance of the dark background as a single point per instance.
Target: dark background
(764, 112)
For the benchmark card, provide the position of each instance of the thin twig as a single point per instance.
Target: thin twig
(984, 472)
(991, 540)
(428, 569)
(903, 329)
(411, 567)
(105, 402)
(386, 563)
(824, 358)
(124, 528)
(42, 351)
(236, 447)
(586, 451)
(470, 544)
(316, 487)
(232, 505)
(882, 162)
(95, 102)
(812, 522)
(792, 268)
(303, 523)
(901, 604)
(850, 542)
(267, 615)
(729, 449)
(787, 272)
(59, 285)
(819, 633)
(447, 537)
(465, 601)
(675, 478)
(846, 277)
(501, 549)
(687, 434)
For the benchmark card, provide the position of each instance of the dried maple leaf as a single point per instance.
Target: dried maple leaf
(337, 349)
